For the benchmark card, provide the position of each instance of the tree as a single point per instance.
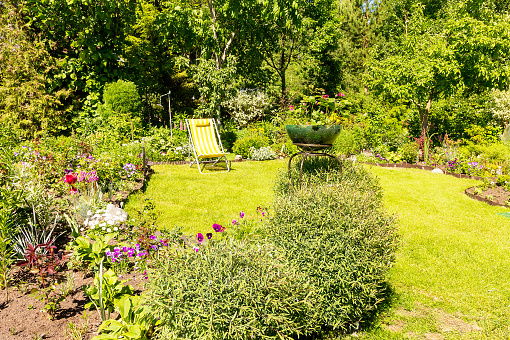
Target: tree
(436, 58)
(28, 102)
(87, 36)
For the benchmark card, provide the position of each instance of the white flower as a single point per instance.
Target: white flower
(93, 227)
(110, 222)
(104, 228)
(108, 230)
(115, 228)
(89, 213)
(118, 213)
(102, 224)
(86, 223)
(96, 216)
(81, 229)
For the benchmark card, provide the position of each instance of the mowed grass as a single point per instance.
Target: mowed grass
(452, 273)
(192, 201)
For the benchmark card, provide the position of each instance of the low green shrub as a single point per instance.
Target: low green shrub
(242, 146)
(409, 152)
(262, 154)
(229, 289)
(331, 227)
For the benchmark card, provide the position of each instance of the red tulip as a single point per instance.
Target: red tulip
(71, 178)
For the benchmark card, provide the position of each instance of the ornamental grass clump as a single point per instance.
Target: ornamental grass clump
(331, 227)
(228, 289)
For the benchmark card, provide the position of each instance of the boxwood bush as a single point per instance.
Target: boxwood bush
(332, 228)
(229, 289)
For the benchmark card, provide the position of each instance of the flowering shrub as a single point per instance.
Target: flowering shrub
(105, 221)
(262, 154)
(247, 106)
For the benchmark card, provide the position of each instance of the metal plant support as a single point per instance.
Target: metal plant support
(309, 150)
(169, 110)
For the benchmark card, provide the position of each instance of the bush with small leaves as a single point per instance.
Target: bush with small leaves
(229, 289)
(332, 228)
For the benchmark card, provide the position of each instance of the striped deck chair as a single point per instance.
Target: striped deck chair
(205, 142)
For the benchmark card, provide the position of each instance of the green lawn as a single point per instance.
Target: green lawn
(192, 201)
(452, 274)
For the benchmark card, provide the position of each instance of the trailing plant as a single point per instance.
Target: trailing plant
(331, 227)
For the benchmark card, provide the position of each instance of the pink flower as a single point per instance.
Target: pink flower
(234, 222)
(291, 107)
(340, 94)
(241, 214)
(325, 96)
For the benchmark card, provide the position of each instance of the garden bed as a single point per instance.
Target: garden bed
(497, 196)
(22, 317)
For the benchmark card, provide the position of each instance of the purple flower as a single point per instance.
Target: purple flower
(241, 214)
(196, 249)
(152, 237)
(209, 236)
(234, 222)
(218, 228)
(199, 237)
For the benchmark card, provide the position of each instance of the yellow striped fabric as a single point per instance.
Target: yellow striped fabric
(204, 138)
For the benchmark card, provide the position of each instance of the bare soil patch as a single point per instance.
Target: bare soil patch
(22, 316)
(493, 196)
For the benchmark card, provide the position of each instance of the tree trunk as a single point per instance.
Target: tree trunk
(425, 116)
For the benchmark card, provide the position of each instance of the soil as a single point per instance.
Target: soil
(22, 317)
(493, 196)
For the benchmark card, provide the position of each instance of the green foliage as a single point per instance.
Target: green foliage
(87, 38)
(135, 322)
(247, 106)
(484, 134)
(7, 227)
(160, 146)
(92, 253)
(106, 292)
(409, 152)
(214, 85)
(122, 97)
(120, 112)
(229, 289)
(29, 106)
(262, 154)
(332, 228)
(242, 146)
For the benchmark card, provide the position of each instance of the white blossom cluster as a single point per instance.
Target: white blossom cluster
(107, 220)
